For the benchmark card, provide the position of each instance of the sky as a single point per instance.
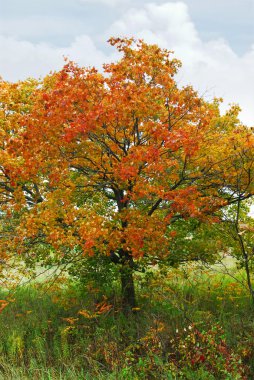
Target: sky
(214, 39)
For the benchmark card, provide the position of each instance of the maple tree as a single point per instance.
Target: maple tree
(105, 163)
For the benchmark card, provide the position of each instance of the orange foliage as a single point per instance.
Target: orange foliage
(108, 161)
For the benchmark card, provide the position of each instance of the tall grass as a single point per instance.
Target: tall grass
(72, 332)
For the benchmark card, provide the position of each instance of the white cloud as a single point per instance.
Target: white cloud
(22, 59)
(212, 67)
(168, 23)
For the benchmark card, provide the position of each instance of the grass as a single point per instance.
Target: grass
(190, 325)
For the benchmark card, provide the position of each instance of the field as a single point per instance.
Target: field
(191, 323)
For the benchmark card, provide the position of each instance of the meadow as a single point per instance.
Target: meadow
(191, 323)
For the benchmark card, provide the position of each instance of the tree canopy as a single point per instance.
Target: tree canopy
(106, 162)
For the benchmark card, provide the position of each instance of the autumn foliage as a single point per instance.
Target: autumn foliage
(105, 162)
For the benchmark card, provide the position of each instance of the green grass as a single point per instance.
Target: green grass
(69, 332)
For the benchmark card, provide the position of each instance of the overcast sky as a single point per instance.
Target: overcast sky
(214, 39)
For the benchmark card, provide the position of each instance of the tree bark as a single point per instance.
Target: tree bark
(125, 259)
(244, 252)
(127, 288)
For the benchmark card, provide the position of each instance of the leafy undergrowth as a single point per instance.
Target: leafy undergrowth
(190, 325)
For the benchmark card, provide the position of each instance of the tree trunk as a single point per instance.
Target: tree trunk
(125, 259)
(244, 252)
(128, 289)
(247, 270)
